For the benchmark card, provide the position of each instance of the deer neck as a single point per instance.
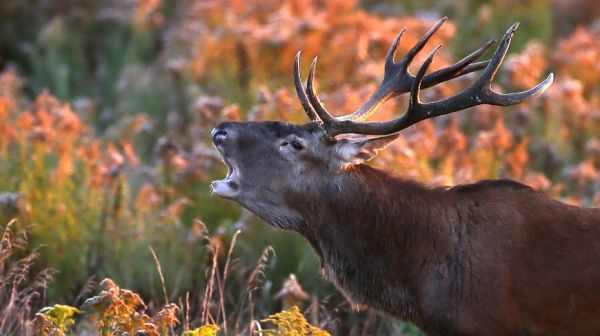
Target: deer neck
(371, 228)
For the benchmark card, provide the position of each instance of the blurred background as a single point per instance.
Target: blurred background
(106, 109)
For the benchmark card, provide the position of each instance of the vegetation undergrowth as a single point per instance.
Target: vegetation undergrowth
(105, 155)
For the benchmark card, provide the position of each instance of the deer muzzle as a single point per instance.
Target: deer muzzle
(229, 186)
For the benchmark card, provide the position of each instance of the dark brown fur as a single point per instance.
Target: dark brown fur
(495, 257)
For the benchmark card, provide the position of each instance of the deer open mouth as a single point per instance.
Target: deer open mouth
(227, 187)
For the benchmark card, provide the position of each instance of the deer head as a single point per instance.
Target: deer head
(282, 172)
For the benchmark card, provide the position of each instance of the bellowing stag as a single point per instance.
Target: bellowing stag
(491, 258)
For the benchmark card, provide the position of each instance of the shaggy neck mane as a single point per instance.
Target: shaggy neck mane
(366, 221)
(360, 201)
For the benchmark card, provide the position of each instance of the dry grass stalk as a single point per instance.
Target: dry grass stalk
(19, 289)
(211, 283)
(160, 274)
(225, 274)
(255, 278)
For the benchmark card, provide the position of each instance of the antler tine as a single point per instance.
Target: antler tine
(397, 79)
(491, 97)
(478, 93)
(414, 102)
(314, 98)
(460, 68)
(496, 60)
(410, 55)
(412, 113)
(506, 99)
(310, 111)
(391, 54)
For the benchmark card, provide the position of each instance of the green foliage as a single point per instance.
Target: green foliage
(291, 323)
(121, 159)
(483, 22)
(61, 315)
(114, 311)
(205, 330)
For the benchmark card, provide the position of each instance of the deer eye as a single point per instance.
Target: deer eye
(297, 145)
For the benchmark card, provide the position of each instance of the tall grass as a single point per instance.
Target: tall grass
(21, 286)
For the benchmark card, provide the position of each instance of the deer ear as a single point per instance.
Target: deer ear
(362, 149)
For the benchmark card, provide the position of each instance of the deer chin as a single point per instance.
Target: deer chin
(229, 187)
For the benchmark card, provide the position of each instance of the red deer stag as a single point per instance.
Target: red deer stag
(489, 258)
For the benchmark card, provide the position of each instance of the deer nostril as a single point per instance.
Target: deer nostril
(218, 135)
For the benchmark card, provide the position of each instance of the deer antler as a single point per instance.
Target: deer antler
(397, 80)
